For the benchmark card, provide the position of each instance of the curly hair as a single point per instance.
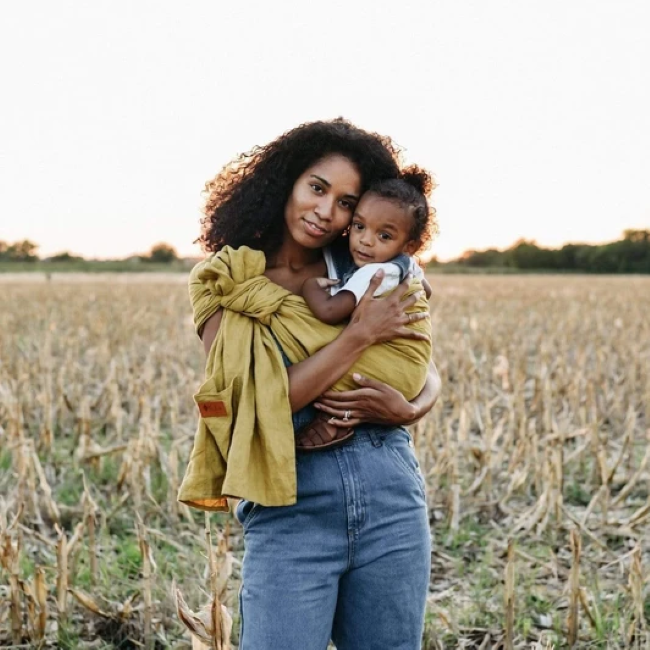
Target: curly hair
(245, 201)
(410, 190)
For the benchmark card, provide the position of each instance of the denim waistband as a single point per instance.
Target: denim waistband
(373, 435)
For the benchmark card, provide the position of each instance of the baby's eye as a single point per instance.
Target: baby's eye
(384, 236)
(357, 226)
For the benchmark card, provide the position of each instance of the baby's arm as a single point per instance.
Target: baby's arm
(329, 309)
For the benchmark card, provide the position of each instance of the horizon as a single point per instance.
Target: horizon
(535, 119)
(426, 258)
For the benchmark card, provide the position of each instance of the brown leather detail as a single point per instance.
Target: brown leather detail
(212, 409)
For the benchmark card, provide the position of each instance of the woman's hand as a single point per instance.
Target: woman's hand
(374, 402)
(378, 403)
(385, 319)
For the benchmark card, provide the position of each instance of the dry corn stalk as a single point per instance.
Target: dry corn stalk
(224, 565)
(52, 508)
(40, 591)
(148, 570)
(89, 603)
(636, 581)
(584, 603)
(454, 496)
(510, 596)
(115, 611)
(212, 624)
(90, 511)
(35, 592)
(501, 370)
(9, 559)
(201, 624)
(573, 622)
(62, 575)
(215, 608)
(632, 481)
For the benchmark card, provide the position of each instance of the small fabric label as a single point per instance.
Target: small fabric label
(212, 409)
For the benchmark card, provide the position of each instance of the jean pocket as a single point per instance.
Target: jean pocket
(400, 445)
(246, 511)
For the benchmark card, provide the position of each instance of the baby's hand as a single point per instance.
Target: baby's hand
(326, 283)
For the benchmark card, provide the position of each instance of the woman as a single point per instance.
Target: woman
(350, 560)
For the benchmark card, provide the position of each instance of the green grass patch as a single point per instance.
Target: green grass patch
(109, 468)
(471, 536)
(576, 494)
(6, 458)
(69, 491)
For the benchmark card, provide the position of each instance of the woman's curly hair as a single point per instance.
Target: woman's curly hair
(245, 201)
(411, 191)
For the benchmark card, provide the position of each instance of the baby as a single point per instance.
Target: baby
(391, 223)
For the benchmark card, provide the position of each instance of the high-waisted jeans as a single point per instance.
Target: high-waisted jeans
(349, 561)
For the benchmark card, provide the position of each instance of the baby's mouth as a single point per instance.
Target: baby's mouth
(364, 256)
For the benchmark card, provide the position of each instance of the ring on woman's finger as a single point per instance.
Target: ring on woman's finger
(346, 416)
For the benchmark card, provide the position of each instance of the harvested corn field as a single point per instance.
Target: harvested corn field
(536, 458)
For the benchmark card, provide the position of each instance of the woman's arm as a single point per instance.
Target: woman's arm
(426, 400)
(427, 288)
(375, 320)
(210, 329)
(379, 403)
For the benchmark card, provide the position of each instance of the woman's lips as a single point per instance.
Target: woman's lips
(314, 230)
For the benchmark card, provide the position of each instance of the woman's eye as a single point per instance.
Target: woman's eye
(317, 188)
(346, 205)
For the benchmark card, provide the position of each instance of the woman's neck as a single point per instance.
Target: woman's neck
(292, 265)
(293, 257)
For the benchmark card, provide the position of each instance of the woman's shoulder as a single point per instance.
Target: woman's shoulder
(243, 262)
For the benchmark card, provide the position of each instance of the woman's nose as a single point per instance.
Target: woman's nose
(325, 208)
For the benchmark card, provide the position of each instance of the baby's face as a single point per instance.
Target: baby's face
(380, 230)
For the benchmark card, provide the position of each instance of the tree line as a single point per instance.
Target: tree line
(27, 251)
(631, 254)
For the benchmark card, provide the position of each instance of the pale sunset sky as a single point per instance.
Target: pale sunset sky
(534, 116)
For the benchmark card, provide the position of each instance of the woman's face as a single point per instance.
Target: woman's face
(322, 202)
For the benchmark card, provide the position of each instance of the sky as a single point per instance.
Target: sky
(533, 116)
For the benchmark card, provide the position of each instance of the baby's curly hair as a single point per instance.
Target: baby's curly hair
(245, 201)
(410, 191)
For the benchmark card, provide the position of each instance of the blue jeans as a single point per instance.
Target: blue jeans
(349, 561)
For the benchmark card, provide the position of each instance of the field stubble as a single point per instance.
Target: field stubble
(536, 460)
